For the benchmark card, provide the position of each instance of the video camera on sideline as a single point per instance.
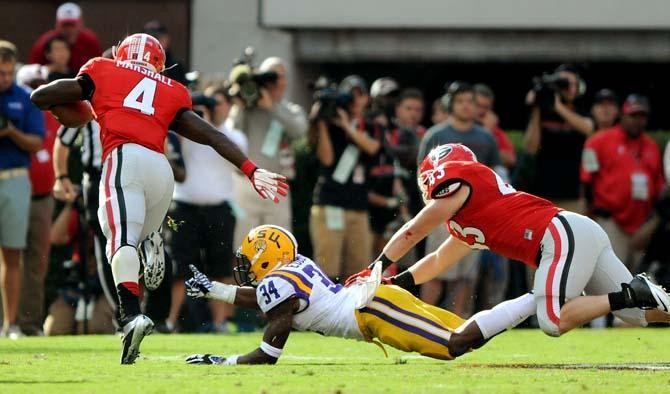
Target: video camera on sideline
(330, 98)
(246, 81)
(546, 87)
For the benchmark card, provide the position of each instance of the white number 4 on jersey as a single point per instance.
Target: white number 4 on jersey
(142, 96)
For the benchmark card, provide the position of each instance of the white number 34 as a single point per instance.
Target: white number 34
(142, 97)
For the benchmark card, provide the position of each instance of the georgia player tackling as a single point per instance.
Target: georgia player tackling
(570, 252)
(294, 293)
(135, 105)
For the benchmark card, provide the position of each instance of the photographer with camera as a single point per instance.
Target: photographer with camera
(21, 133)
(345, 146)
(555, 136)
(270, 123)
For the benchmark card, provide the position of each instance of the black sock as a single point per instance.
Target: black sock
(129, 303)
(621, 299)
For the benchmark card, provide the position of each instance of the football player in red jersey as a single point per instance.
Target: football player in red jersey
(571, 253)
(135, 105)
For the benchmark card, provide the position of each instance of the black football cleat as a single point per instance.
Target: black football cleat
(648, 295)
(133, 333)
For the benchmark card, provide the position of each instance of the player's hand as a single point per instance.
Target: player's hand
(205, 359)
(199, 285)
(64, 190)
(352, 279)
(269, 185)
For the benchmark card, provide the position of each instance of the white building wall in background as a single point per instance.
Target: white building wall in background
(222, 28)
(467, 14)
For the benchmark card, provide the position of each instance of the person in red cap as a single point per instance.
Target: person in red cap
(623, 174)
(84, 43)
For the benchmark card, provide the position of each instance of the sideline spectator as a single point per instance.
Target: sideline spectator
(605, 109)
(383, 95)
(270, 127)
(439, 114)
(403, 143)
(201, 206)
(84, 43)
(459, 101)
(21, 133)
(623, 175)
(35, 260)
(66, 313)
(485, 98)
(339, 225)
(555, 136)
(57, 52)
(173, 67)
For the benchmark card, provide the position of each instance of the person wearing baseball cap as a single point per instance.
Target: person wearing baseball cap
(174, 68)
(622, 173)
(84, 43)
(605, 109)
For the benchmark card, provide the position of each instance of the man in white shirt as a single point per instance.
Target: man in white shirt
(202, 209)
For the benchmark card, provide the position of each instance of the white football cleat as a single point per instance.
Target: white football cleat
(133, 334)
(649, 295)
(152, 257)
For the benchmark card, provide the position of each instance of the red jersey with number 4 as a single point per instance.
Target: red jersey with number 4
(495, 216)
(133, 104)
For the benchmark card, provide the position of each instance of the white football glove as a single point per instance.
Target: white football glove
(205, 359)
(269, 185)
(199, 285)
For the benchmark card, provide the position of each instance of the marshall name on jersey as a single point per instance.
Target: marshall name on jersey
(325, 307)
(495, 216)
(133, 104)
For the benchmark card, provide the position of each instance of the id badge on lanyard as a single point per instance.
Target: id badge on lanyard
(640, 184)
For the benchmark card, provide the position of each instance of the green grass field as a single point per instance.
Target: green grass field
(519, 361)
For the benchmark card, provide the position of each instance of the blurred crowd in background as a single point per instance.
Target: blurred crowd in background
(351, 159)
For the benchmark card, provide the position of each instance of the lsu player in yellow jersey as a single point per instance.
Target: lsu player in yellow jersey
(294, 292)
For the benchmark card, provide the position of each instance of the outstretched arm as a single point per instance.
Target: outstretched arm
(195, 128)
(200, 286)
(432, 215)
(268, 185)
(280, 320)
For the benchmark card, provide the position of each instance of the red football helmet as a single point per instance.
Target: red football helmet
(141, 49)
(431, 170)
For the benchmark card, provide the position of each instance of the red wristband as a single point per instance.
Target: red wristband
(248, 168)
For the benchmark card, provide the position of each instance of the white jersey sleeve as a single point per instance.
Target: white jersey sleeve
(272, 291)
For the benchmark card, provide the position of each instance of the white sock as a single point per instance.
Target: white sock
(505, 315)
(126, 265)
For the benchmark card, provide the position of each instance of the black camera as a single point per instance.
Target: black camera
(329, 98)
(246, 81)
(546, 87)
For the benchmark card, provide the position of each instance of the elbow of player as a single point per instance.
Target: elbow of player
(39, 98)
